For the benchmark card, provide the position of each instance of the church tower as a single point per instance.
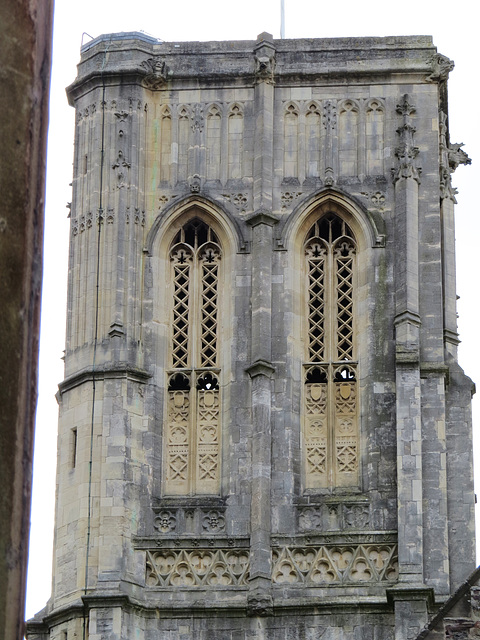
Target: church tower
(264, 431)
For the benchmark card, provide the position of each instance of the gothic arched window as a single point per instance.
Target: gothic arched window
(330, 406)
(192, 435)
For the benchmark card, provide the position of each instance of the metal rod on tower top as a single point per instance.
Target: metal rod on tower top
(282, 19)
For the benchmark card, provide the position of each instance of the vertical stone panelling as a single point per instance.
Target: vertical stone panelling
(264, 101)
(348, 138)
(213, 142)
(260, 372)
(290, 161)
(407, 325)
(235, 143)
(312, 140)
(375, 138)
(434, 476)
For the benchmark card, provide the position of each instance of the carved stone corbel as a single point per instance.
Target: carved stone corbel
(265, 59)
(456, 156)
(156, 71)
(441, 67)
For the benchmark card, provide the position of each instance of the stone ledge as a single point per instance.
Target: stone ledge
(104, 372)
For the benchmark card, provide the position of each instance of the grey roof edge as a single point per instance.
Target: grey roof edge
(382, 42)
(123, 35)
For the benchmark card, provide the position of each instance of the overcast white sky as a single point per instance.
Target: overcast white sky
(455, 32)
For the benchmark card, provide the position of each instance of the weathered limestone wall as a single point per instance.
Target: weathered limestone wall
(261, 141)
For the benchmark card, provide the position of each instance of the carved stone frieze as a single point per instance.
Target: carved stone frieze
(260, 604)
(165, 522)
(82, 223)
(86, 112)
(121, 167)
(156, 72)
(190, 520)
(195, 184)
(265, 63)
(447, 191)
(137, 217)
(164, 199)
(198, 119)
(335, 564)
(376, 198)
(329, 180)
(121, 115)
(197, 568)
(334, 516)
(213, 522)
(288, 198)
(239, 200)
(329, 117)
(406, 152)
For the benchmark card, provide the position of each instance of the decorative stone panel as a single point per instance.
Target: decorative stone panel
(335, 564)
(190, 520)
(198, 568)
(334, 516)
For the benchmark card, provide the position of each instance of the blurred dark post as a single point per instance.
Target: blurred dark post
(25, 60)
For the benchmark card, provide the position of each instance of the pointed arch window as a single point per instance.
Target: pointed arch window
(375, 132)
(214, 135)
(330, 405)
(192, 437)
(348, 138)
(290, 160)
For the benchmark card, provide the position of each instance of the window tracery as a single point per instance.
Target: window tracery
(330, 405)
(192, 447)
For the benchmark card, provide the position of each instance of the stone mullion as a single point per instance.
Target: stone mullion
(224, 146)
(301, 148)
(175, 145)
(361, 146)
(409, 435)
(261, 371)
(263, 142)
(117, 244)
(407, 344)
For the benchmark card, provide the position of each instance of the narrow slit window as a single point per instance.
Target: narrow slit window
(74, 449)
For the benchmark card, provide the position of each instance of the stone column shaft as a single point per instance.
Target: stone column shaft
(263, 146)
(261, 371)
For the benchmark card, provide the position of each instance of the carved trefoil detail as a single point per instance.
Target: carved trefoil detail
(336, 564)
(198, 568)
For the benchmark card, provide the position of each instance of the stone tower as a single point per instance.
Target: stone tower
(264, 431)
